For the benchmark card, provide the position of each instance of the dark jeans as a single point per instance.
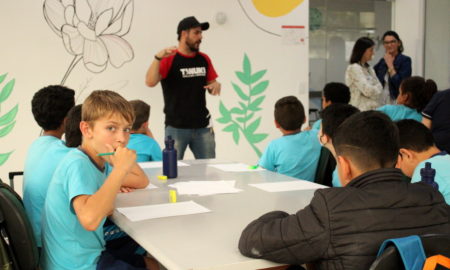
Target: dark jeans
(200, 140)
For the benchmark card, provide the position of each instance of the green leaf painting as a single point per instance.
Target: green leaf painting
(241, 121)
(7, 120)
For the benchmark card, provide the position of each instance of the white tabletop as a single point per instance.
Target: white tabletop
(207, 240)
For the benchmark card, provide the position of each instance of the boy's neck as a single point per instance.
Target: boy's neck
(428, 153)
(93, 155)
(55, 133)
(290, 132)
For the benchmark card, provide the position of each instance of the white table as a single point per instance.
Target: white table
(208, 240)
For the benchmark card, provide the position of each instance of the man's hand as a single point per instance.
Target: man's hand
(213, 88)
(167, 52)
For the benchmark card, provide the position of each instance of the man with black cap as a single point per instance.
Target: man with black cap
(185, 74)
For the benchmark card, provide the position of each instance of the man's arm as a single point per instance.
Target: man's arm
(91, 209)
(153, 76)
(290, 239)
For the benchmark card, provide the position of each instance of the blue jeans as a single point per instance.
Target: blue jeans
(200, 140)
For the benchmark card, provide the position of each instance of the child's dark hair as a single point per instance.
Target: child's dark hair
(369, 139)
(334, 115)
(360, 47)
(73, 133)
(289, 113)
(414, 135)
(336, 92)
(419, 91)
(141, 112)
(51, 104)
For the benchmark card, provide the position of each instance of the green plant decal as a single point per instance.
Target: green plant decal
(7, 120)
(241, 119)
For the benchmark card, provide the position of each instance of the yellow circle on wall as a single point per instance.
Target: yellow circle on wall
(275, 8)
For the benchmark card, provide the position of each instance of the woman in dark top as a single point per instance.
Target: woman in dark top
(393, 67)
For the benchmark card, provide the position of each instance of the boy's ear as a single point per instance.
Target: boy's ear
(85, 129)
(345, 170)
(144, 125)
(276, 124)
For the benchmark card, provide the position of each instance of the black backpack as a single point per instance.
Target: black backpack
(18, 250)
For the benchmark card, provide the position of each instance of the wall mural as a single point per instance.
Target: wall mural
(241, 118)
(92, 31)
(271, 9)
(7, 120)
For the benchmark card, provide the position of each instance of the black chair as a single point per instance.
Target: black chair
(433, 244)
(16, 231)
(325, 168)
(11, 176)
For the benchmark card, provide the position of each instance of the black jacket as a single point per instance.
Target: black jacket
(402, 65)
(343, 228)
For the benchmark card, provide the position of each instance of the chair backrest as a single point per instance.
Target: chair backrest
(433, 244)
(16, 230)
(325, 168)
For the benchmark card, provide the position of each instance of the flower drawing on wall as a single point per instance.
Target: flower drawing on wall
(8, 119)
(243, 118)
(92, 31)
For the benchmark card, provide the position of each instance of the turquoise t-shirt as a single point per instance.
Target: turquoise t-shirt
(66, 244)
(400, 112)
(147, 149)
(316, 124)
(295, 155)
(336, 182)
(441, 163)
(43, 156)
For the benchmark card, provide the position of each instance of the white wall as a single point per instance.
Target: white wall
(408, 22)
(35, 56)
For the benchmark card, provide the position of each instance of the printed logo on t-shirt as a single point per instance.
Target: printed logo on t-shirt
(193, 72)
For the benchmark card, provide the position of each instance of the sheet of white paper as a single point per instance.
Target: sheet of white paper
(203, 188)
(139, 213)
(158, 164)
(235, 167)
(151, 186)
(287, 186)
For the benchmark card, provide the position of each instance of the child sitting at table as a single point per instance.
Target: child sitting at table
(333, 92)
(414, 95)
(332, 117)
(72, 130)
(81, 194)
(49, 106)
(416, 148)
(343, 228)
(141, 139)
(297, 152)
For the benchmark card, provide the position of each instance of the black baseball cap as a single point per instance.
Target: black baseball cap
(191, 22)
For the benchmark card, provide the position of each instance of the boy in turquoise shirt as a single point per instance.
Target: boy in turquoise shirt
(297, 153)
(81, 195)
(333, 92)
(416, 148)
(332, 117)
(414, 95)
(141, 139)
(49, 106)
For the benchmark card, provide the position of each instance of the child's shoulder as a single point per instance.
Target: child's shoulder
(141, 138)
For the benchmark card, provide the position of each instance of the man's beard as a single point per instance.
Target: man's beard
(193, 46)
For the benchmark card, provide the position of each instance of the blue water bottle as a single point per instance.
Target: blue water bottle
(169, 155)
(428, 174)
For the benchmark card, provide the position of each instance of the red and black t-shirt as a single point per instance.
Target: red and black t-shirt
(183, 81)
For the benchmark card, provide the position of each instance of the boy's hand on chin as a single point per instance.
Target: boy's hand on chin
(123, 158)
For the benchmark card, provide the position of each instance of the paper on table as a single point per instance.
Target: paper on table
(151, 186)
(235, 167)
(203, 188)
(158, 164)
(139, 213)
(287, 186)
